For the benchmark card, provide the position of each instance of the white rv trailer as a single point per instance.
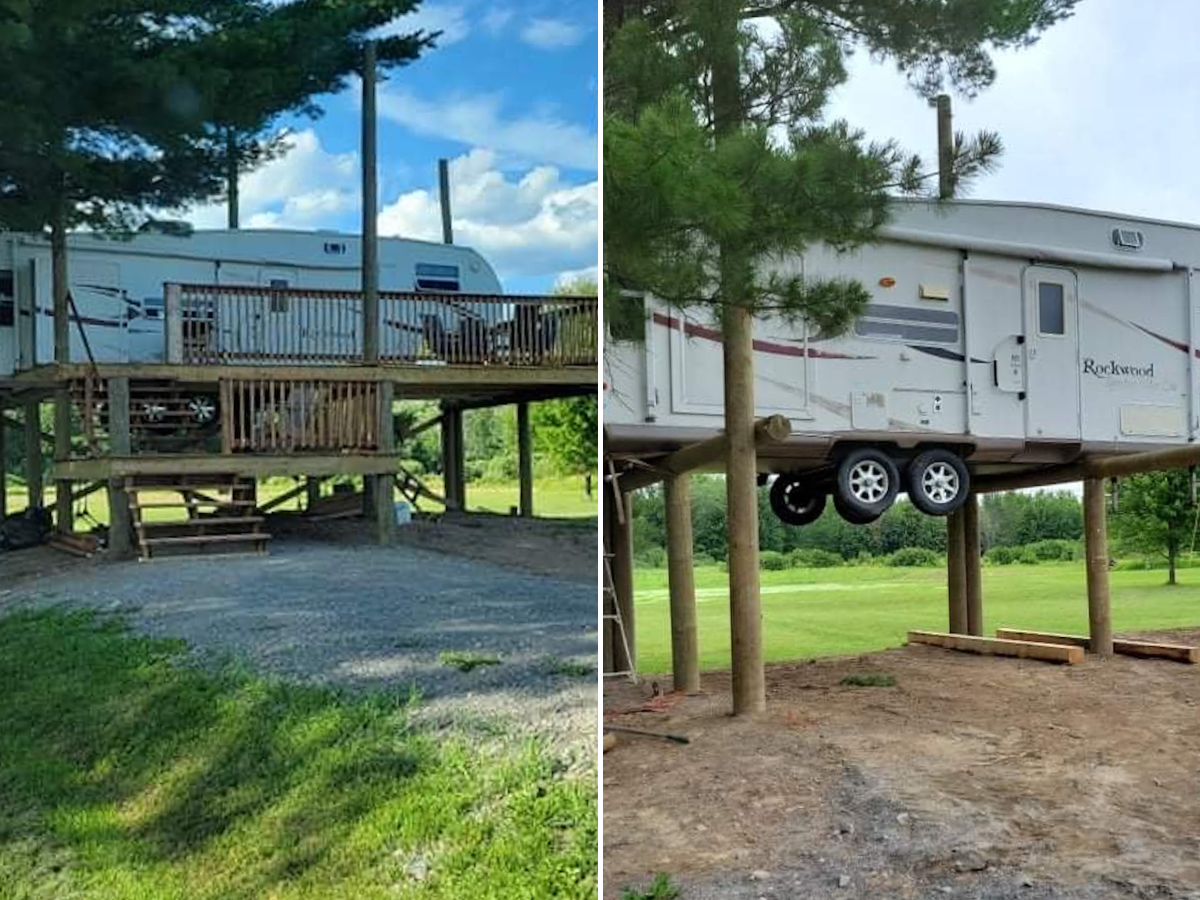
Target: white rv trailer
(117, 283)
(999, 337)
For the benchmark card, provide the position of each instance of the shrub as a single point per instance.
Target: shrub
(1003, 556)
(1028, 557)
(814, 558)
(652, 558)
(772, 560)
(914, 556)
(1054, 550)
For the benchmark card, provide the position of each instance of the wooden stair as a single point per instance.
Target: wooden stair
(221, 516)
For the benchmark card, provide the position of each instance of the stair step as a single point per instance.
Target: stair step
(204, 539)
(204, 522)
(184, 504)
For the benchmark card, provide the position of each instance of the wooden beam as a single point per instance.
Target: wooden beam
(525, 459)
(385, 482)
(1144, 649)
(64, 509)
(215, 464)
(685, 644)
(1043, 476)
(956, 572)
(1059, 653)
(768, 431)
(973, 563)
(292, 494)
(1095, 534)
(120, 531)
(1181, 457)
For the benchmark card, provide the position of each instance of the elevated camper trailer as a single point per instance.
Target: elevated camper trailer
(117, 286)
(999, 337)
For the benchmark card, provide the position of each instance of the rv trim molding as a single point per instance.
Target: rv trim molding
(1029, 251)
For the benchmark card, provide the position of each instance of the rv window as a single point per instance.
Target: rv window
(432, 277)
(1051, 312)
(6, 283)
(279, 300)
(7, 310)
(884, 321)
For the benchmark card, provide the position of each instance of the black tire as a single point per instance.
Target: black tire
(849, 516)
(795, 502)
(938, 482)
(867, 482)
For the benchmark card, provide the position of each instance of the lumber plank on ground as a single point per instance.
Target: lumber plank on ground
(1146, 649)
(1060, 653)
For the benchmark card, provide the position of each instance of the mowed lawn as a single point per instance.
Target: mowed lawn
(128, 774)
(563, 497)
(829, 612)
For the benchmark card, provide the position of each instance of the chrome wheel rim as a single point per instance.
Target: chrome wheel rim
(940, 482)
(797, 500)
(868, 481)
(153, 412)
(202, 409)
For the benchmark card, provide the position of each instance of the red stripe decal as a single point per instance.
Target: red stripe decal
(692, 329)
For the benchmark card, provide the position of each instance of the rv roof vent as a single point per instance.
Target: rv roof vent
(335, 248)
(172, 227)
(1128, 238)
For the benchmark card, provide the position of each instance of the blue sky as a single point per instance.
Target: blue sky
(510, 97)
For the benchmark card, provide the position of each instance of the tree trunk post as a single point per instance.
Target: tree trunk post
(385, 484)
(120, 524)
(1095, 532)
(60, 287)
(974, 565)
(525, 459)
(621, 548)
(312, 493)
(685, 646)
(64, 506)
(453, 461)
(945, 123)
(956, 571)
(370, 200)
(232, 173)
(33, 454)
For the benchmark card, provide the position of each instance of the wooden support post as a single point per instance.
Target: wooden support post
(385, 484)
(608, 634)
(1095, 533)
(974, 565)
(64, 508)
(685, 646)
(60, 290)
(370, 200)
(525, 459)
(622, 572)
(453, 462)
(312, 492)
(741, 501)
(120, 523)
(956, 571)
(33, 454)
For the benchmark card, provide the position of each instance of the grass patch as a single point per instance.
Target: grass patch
(660, 888)
(467, 662)
(869, 679)
(127, 774)
(554, 665)
(840, 611)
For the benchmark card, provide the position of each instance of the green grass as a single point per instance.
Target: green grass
(830, 612)
(660, 888)
(570, 668)
(467, 662)
(552, 498)
(869, 679)
(127, 774)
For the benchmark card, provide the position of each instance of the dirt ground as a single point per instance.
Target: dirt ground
(973, 777)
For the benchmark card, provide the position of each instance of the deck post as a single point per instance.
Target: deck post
(120, 522)
(3, 464)
(1095, 533)
(64, 507)
(956, 571)
(453, 471)
(685, 646)
(173, 331)
(525, 458)
(370, 201)
(33, 454)
(974, 565)
(312, 492)
(385, 484)
(620, 546)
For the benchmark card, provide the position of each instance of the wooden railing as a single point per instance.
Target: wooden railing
(209, 324)
(286, 416)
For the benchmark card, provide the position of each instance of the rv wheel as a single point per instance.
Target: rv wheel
(794, 502)
(938, 482)
(202, 409)
(853, 518)
(867, 482)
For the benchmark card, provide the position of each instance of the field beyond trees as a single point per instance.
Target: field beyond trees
(856, 609)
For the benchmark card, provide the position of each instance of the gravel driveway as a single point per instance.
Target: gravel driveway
(371, 617)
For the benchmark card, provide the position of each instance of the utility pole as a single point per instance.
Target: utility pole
(444, 196)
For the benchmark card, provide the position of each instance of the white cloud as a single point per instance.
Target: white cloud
(450, 19)
(496, 19)
(477, 121)
(551, 34)
(535, 225)
(588, 274)
(305, 188)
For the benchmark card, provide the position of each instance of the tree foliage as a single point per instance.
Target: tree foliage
(1155, 514)
(707, 190)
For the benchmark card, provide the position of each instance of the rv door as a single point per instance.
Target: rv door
(1051, 354)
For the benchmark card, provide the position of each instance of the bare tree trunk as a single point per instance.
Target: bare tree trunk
(1172, 552)
(59, 285)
